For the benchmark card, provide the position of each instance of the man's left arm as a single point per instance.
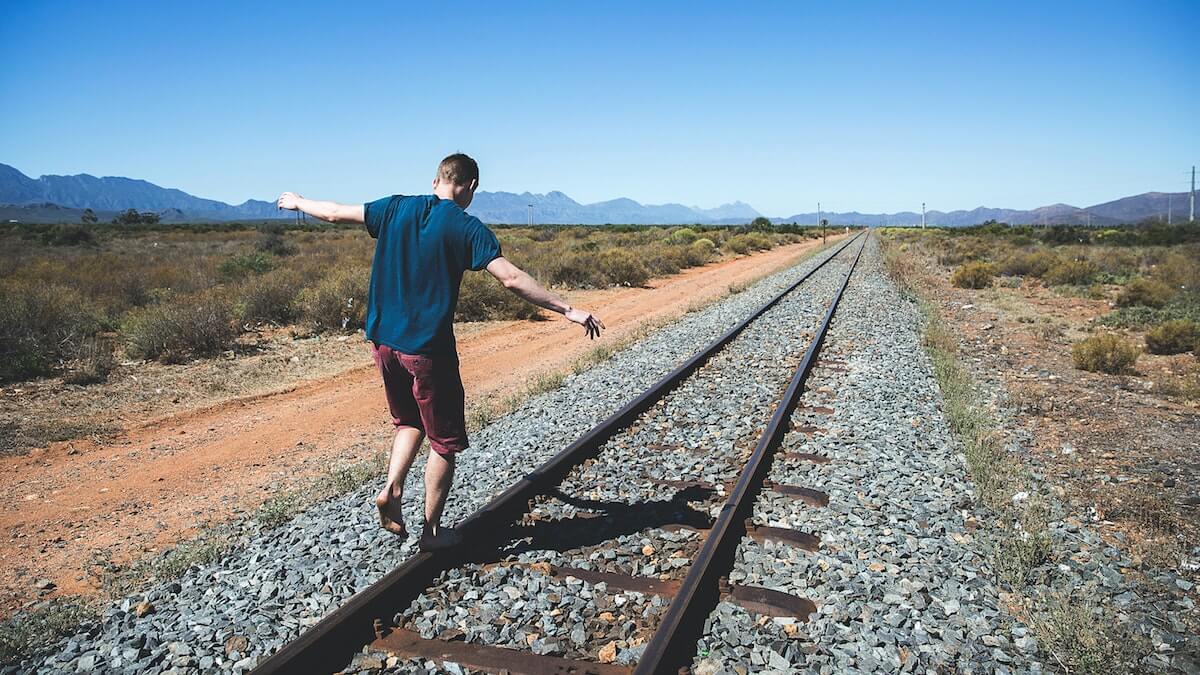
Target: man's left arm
(528, 289)
(329, 211)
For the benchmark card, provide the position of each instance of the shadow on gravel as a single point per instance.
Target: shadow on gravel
(608, 521)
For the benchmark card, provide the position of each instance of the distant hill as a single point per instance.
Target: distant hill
(556, 207)
(1125, 210)
(112, 194)
(62, 198)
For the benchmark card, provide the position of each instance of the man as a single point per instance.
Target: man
(424, 244)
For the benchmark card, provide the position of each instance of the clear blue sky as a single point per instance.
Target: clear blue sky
(875, 107)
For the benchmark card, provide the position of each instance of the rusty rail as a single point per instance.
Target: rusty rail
(331, 643)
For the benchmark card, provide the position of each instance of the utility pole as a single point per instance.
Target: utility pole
(531, 215)
(818, 213)
(1168, 208)
(1192, 206)
(922, 215)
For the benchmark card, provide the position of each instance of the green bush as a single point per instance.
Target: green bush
(270, 298)
(578, 270)
(181, 327)
(751, 241)
(482, 298)
(41, 324)
(245, 265)
(622, 268)
(1071, 273)
(1172, 337)
(1028, 263)
(973, 275)
(682, 236)
(701, 251)
(68, 235)
(338, 301)
(1106, 353)
(273, 240)
(1146, 293)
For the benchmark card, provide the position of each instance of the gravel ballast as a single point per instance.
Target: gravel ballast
(899, 581)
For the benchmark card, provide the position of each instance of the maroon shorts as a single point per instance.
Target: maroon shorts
(425, 392)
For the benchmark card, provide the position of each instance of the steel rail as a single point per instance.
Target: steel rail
(329, 644)
(673, 645)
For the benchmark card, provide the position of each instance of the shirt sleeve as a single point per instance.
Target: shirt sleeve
(482, 245)
(378, 213)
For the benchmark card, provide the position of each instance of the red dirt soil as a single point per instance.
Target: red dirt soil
(160, 481)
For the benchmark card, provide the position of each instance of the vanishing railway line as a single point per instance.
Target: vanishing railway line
(616, 576)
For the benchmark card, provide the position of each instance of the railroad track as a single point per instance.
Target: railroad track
(623, 571)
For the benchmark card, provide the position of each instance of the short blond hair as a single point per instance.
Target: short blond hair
(458, 169)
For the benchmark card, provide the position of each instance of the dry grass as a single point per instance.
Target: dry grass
(1105, 353)
(1078, 635)
(973, 275)
(180, 293)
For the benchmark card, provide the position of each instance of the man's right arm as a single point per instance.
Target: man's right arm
(329, 211)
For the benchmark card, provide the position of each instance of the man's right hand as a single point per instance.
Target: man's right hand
(591, 323)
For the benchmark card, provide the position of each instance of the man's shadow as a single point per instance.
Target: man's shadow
(604, 521)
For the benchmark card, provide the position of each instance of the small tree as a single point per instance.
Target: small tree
(88, 217)
(761, 224)
(128, 217)
(133, 217)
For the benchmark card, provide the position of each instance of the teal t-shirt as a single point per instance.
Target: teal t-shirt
(423, 246)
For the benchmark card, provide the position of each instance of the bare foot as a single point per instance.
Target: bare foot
(390, 516)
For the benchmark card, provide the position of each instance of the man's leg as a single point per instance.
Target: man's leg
(439, 475)
(404, 450)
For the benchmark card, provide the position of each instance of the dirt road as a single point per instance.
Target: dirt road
(157, 483)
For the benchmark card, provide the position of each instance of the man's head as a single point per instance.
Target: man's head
(456, 179)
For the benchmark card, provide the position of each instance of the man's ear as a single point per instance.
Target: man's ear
(436, 180)
(474, 184)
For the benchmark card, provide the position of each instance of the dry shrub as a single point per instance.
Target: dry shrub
(245, 265)
(482, 298)
(1070, 273)
(973, 275)
(270, 298)
(40, 324)
(1180, 269)
(663, 261)
(1114, 261)
(576, 270)
(622, 268)
(93, 362)
(963, 250)
(701, 251)
(1181, 380)
(1146, 293)
(1172, 337)
(338, 301)
(1150, 510)
(1105, 353)
(181, 327)
(751, 241)
(1028, 263)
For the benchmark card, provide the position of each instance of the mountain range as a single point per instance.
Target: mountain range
(62, 198)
